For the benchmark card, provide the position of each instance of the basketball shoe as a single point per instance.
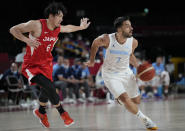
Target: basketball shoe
(149, 124)
(43, 118)
(67, 119)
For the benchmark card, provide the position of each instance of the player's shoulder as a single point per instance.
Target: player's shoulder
(34, 23)
(103, 38)
(105, 35)
(135, 42)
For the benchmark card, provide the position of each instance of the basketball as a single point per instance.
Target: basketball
(146, 72)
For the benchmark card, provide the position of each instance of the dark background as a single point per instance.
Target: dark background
(161, 31)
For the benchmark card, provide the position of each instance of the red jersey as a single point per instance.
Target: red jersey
(39, 61)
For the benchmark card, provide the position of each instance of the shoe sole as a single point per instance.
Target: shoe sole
(38, 118)
(153, 128)
(69, 124)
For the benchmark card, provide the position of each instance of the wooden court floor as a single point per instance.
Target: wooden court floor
(169, 115)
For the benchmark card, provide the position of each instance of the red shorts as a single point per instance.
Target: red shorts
(29, 71)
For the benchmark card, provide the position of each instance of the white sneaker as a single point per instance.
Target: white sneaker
(81, 100)
(90, 99)
(34, 104)
(66, 100)
(72, 101)
(110, 101)
(49, 104)
(149, 124)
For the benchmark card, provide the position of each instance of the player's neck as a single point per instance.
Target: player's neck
(120, 38)
(50, 25)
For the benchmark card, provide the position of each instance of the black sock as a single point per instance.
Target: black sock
(60, 109)
(42, 109)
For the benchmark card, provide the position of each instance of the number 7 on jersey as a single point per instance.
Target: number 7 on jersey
(118, 59)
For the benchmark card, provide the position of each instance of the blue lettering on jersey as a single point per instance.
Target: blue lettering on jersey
(118, 52)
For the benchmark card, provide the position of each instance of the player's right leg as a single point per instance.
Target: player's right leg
(134, 95)
(40, 113)
(131, 106)
(50, 92)
(128, 103)
(118, 89)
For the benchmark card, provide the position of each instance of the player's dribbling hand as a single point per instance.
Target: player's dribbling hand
(33, 43)
(89, 63)
(84, 24)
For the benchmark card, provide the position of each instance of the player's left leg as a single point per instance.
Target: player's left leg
(134, 94)
(136, 100)
(50, 92)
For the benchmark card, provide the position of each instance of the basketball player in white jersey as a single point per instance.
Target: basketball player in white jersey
(116, 73)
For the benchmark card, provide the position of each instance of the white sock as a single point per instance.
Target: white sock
(141, 116)
(166, 91)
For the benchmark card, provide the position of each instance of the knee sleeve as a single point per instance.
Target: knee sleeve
(43, 96)
(48, 89)
(53, 96)
(43, 99)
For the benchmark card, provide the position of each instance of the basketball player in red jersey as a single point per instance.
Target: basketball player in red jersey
(37, 65)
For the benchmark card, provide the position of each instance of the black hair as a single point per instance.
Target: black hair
(119, 21)
(54, 8)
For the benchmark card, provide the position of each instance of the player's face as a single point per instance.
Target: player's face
(127, 29)
(57, 19)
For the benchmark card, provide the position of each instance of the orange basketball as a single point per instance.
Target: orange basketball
(146, 72)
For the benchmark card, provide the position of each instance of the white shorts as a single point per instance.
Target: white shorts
(156, 81)
(165, 78)
(119, 84)
(166, 82)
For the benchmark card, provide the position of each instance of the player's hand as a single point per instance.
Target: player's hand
(33, 43)
(84, 24)
(89, 63)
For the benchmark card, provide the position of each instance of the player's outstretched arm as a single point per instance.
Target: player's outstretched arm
(133, 60)
(18, 32)
(84, 24)
(101, 41)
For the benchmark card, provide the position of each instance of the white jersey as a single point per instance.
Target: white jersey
(117, 56)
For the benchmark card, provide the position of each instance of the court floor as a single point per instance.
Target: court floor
(168, 115)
